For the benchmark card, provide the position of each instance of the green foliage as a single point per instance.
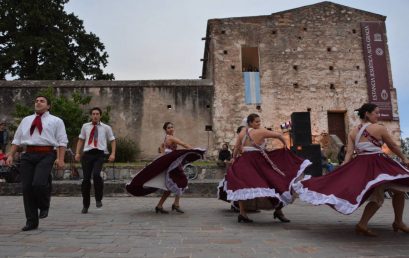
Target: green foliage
(70, 109)
(40, 41)
(126, 150)
(21, 112)
(105, 115)
(405, 145)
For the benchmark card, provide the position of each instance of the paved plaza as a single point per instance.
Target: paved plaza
(128, 227)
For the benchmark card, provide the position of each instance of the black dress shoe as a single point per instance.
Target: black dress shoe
(234, 209)
(43, 214)
(244, 219)
(177, 208)
(99, 204)
(279, 215)
(160, 210)
(29, 227)
(84, 210)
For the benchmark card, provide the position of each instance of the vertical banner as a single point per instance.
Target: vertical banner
(373, 42)
(252, 87)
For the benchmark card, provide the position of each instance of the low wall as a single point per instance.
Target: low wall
(139, 108)
(205, 185)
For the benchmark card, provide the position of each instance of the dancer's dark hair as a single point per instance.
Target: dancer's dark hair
(46, 98)
(165, 125)
(251, 118)
(95, 108)
(239, 129)
(367, 107)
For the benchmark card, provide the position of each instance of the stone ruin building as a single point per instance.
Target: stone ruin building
(316, 59)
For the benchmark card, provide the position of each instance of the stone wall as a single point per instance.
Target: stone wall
(139, 108)
(296, 50)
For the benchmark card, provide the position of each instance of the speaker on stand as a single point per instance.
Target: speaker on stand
(301, 128)
(302, 142)
(311, 152)
(208, 129)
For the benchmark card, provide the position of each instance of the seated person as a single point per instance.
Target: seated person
(224, 155)
(326, 163)
(341, 154)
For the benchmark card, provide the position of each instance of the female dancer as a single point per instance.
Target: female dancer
(365, 176)
(166, 172)
(259, 174)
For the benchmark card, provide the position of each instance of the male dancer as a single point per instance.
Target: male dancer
(96, 135)
(40, 134)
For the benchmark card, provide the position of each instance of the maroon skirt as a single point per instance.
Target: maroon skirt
(347, 187)
(171, 164)
(251, 176)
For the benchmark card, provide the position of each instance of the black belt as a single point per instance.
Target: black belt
(94, 151)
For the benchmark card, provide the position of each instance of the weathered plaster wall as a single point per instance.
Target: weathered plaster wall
(139, 108)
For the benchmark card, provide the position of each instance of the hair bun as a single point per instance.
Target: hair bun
(367, 107)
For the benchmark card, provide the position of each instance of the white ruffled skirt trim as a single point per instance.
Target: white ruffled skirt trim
(341, 205)
(222, 185)
(251, 193)
(170, 184)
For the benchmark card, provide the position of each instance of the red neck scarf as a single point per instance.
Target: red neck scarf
(37, 124)
(93, 136)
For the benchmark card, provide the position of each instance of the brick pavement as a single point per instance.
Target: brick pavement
(128, 227)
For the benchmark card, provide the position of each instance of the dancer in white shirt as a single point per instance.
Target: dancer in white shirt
(40, 134)
(96, 135)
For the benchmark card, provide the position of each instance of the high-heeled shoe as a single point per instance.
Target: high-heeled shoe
(160, 210)
(279, 215)
(245, 219)
(364, 231)
(234, 209)
(177, 208)
(397, 227)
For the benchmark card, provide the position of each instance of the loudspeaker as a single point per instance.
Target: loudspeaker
(301, 128)
(311, 152)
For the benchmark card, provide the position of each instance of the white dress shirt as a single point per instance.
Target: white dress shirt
(105, 134)
(53, 133)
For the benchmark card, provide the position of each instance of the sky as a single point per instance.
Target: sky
(161, 39)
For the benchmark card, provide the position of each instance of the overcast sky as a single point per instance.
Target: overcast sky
(161, 39)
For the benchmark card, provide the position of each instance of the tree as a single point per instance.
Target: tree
(40, 41)
(404, 143)
(70, 109)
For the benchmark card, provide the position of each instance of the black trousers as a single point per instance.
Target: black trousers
(35, 173)
(3, 147)
(92, 162)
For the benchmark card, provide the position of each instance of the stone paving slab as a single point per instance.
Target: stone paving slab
(129, 227)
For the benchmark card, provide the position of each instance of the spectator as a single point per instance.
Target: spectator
(3, 136)
(224, 155)
(326, 163)
(341, 154)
